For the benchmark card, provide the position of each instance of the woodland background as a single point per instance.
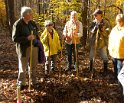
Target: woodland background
(60, 87)
(59, 11)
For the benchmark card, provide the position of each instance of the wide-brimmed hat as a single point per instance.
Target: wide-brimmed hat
(48, 22)
(97, 11)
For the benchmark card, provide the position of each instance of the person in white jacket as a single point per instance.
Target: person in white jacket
(72, 32)
(117, 49)
(116, 44)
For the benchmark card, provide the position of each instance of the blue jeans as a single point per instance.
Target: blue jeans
(118, 63)
(71, 49)
(121, 78)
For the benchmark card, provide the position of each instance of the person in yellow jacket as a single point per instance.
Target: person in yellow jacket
(51, 43)
(116, 44)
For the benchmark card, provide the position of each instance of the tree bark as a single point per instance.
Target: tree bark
(84, 21)
(23, 2)
(6, 3)
(10, 13)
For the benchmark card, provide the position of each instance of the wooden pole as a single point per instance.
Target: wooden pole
(18, 94)
(76, 65)
(96, 44)
(30, 63)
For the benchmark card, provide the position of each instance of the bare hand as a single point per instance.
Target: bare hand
(31, 37)
(75, 36)
(68, 38)
(103, 29)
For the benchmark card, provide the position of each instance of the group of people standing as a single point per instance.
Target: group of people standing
(25, 34)
(102, 40)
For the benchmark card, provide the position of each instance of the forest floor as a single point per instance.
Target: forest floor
(60, 87)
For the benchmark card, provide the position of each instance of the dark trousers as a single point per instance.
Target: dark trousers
(71, 49)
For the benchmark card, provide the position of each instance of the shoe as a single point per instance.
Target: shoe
(68, 70)
(22, 86)
(105, 73)
(47, 72)
(74, 70)
(72, 67)
(53, 70)
(35, 85)
(34, 82)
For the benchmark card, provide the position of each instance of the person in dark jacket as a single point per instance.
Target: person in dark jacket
(22, 35)
(99, 32)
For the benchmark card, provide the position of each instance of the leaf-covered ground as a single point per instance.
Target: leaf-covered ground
(59, 87)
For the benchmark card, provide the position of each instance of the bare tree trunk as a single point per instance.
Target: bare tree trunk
(84, 20)
(10, 13)
(23, 2)
(39, 6)
(98, 4)
(104, 7)
(6, 3)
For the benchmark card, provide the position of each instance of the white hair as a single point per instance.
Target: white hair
(73, 13)
(120, 17)
(25, 10)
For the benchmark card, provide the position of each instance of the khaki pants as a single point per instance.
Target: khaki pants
(24, 65)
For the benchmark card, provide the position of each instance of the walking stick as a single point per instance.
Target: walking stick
(62, 46)
(18, 94)
(30, 63)
(76, 67)
(48, 54)
(60, 60)
(76, 56)
(96, 44)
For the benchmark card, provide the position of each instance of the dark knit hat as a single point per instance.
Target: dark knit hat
(97, 11)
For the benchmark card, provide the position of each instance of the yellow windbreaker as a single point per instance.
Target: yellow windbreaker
(51, 45)
(116, 43)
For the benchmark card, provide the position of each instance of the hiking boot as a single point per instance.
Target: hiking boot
(22, 86)
(105, 68)
(91, 66)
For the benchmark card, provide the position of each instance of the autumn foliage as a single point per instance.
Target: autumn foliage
(2, 13)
